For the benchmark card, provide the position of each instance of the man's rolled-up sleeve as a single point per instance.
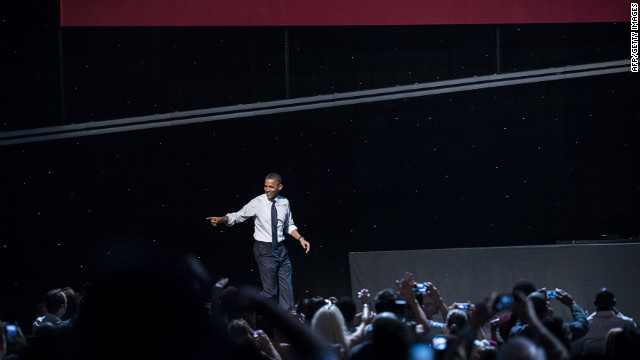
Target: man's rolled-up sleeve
(247, 212)
(289, 225)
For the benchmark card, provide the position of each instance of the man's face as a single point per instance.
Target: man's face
(271, 188)
(429, 307)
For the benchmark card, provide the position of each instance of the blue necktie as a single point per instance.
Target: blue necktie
(274, 226)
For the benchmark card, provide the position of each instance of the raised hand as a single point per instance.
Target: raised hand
(432, 291)
(215, 220)
(564, 297)
(364, 296)
(405, 287)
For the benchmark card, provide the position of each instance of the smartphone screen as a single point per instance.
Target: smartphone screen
(421, 351)
(439, 343)
(12, 331)
(503, 302)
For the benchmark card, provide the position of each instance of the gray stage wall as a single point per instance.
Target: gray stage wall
(472, 273)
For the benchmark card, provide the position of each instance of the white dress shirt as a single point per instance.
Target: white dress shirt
(260, 209)
(600, 322)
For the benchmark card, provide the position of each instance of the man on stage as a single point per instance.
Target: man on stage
(272, 217)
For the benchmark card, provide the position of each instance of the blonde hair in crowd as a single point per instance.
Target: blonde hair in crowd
(329, 321)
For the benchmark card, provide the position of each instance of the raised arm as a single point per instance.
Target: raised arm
(432, 292)
(580, 325)
(248, 211)
(357, 337)
(405, 292)
(308, 343)
(552, 346)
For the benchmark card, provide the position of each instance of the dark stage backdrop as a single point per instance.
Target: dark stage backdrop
(520, 165)
(58, 76)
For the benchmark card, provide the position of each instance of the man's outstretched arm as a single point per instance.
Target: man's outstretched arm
(247, 212)
(215, 220)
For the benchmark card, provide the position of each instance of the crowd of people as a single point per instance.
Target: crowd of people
(171, 309)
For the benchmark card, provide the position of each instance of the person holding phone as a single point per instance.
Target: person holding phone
(272, 218)
(12, 340)
(577, 328)
(3, 339)
(431, 303)
(504, 322)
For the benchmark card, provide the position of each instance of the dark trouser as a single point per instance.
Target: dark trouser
(275, 272)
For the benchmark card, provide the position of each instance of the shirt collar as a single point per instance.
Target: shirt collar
(605, 313)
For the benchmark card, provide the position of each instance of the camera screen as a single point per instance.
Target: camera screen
(421, 352)
(12, 331)
(439, 343)
(503, 302)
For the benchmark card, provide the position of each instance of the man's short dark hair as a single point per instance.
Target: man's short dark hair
(347, 307)
(274, 176)
(313, 305)
(390, 336)
(605, 300)
(525, 286)
(385, 301)
(55, 300)
(229, 300)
